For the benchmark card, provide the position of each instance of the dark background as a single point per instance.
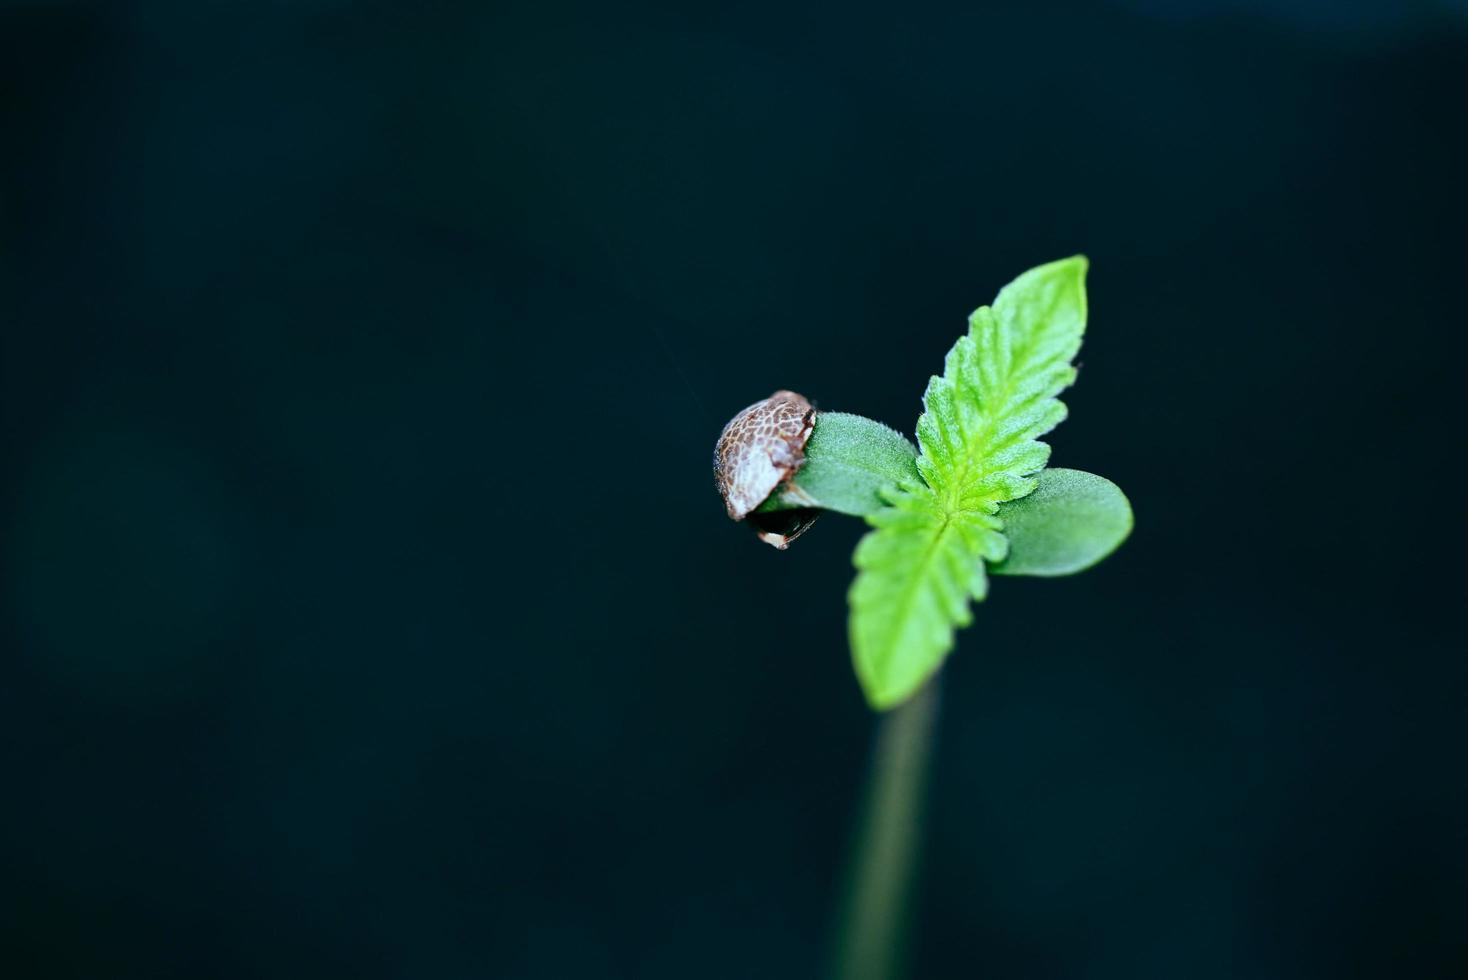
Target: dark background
(367, 607)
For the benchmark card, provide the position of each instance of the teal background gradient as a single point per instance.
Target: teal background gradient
(366, 607)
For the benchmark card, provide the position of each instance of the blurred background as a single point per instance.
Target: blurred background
(366, 607)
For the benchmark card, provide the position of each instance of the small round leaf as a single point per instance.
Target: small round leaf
(1070, 521)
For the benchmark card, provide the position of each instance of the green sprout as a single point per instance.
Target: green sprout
(972, 499)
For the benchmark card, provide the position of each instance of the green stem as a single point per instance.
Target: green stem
(871, 935)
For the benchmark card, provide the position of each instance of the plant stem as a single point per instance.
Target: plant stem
(871, 934)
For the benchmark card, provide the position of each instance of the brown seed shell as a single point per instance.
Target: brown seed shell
(782, 527)
(760, 448)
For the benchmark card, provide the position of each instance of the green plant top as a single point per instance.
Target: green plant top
(973, 498)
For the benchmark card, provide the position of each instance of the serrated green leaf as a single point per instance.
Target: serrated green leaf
(1072, 520)
(979, 440)
(918, 571)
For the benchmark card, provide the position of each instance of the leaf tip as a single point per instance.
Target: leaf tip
(886, 697)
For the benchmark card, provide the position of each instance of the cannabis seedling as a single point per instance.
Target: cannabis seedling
(972, 498)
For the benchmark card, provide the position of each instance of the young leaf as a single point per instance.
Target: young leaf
(979, 442)
(1072, 520)
(919, 569)
(849, 461)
